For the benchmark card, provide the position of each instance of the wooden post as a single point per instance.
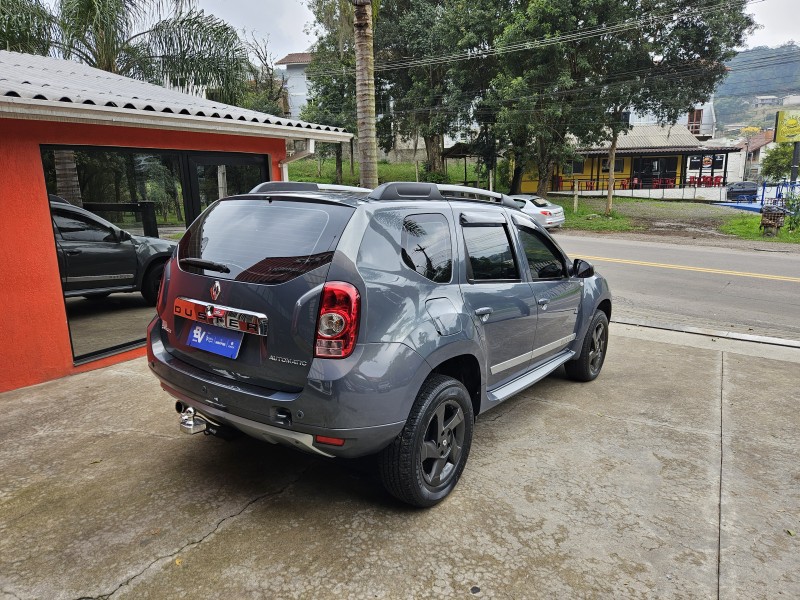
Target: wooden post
(574, 197)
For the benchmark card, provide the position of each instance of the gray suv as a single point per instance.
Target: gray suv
(356, 323)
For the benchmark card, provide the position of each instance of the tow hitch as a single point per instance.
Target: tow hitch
(191, 423)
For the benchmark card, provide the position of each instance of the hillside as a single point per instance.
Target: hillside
(761, 71)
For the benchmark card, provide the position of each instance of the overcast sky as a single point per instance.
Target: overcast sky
(284, 21)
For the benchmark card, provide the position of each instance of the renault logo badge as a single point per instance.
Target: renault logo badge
(215, 290)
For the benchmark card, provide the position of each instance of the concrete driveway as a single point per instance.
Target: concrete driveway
(675, 474)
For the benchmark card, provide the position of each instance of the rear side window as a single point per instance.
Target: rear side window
(426, 246)
(490, 255)
(264, 242)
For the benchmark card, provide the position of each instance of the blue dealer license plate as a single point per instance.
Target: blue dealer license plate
(215, 339)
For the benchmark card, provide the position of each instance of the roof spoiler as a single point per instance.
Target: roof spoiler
(304, 186)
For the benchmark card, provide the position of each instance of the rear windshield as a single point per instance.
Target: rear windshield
(264, 242)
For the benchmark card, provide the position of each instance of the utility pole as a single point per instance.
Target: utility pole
(795, 162)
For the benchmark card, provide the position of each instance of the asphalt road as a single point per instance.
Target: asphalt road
(737, 290)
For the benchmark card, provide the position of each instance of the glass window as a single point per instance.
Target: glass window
(490, 255)
(426, 246)
(543, 262)
(577, 166)
(619, 165)
(264, 242)
(75, 227)
(117, 214)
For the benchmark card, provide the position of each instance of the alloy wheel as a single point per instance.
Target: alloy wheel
(442, 443)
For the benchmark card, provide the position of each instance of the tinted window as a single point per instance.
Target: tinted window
(264, 242)
(426, 246)
(75, 227)
(543, 262)
(490, 255)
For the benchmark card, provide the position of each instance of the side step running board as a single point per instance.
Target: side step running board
(520, 383)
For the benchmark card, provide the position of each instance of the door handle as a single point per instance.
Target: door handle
(484, 313)
(543, 302)
(73, 252)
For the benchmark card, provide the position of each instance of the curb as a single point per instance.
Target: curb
(730, 335)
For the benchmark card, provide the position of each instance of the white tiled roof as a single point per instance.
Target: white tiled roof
(42, 78)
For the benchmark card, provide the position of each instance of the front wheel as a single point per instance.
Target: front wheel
(593, 350)
(424, 463)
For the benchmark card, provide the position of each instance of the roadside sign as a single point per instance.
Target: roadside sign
(787, 126)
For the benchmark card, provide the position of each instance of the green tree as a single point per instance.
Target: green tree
(332, 83)
(777, 164)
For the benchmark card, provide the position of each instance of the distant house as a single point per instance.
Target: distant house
(296, 80)
(700, 120)
(767, 101)
(648, 157)
(755, 149)
(791, 99)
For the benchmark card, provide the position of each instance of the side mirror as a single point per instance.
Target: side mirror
(122, 235)
(582, 269)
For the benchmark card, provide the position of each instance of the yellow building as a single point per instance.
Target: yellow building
(648, 157)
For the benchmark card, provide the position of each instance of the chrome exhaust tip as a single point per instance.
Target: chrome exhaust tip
(191, 423)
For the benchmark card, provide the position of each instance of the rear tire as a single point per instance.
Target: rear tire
(593, 350)
(150, 283)
(424, 463)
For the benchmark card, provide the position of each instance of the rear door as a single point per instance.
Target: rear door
(273, 257)
(501, 303)
(558, 295)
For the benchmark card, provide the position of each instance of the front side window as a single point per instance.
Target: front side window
(74, 227)
(490, 255)
(543, 262)
(426, 246)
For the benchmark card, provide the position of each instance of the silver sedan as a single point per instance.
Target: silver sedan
(546, 213)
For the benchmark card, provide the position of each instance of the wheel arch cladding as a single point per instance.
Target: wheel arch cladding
(605, 306)
(466, 369)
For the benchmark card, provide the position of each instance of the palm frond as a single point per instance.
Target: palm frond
(26, 26)
(195, 52)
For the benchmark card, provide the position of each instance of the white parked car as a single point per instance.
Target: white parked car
(546, 213)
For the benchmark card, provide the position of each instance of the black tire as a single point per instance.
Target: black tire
(593, 350)
(424, 463)
(151, 282)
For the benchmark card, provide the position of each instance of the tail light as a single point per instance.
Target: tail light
(337, 324)
(547, 213)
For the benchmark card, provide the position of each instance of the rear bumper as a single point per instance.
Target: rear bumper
(338, 401)
(555, 221)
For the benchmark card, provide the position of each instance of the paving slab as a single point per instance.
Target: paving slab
(605, 489)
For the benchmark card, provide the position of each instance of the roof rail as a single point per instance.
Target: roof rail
(404, 190)
(478, 194)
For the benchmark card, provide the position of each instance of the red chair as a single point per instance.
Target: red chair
(590, 186)
(635, 184)
(668, 183)
(656, 184)
(693, 180)
(717, 180)
(705, 181)
(623, 183)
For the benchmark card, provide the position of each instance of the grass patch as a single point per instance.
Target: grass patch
(589, 219)
(307, 170)
(746, 227)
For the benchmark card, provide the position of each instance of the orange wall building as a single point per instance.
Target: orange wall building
(47, 105)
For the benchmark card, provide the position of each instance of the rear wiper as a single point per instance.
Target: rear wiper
(208, 265)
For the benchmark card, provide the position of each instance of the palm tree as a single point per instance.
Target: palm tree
(365, 93)
(164, 42)
(169, 43)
